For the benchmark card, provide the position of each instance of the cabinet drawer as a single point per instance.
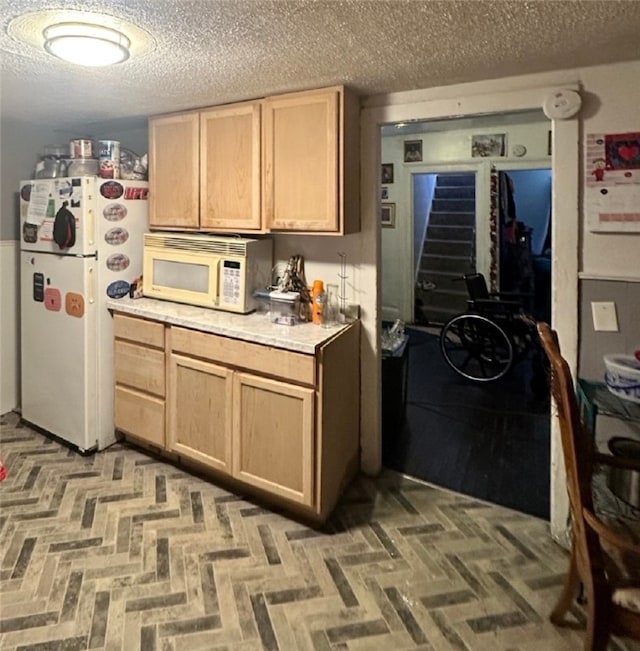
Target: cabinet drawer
(139, 367)
(284, 364)
(144, 332)
(139, 415)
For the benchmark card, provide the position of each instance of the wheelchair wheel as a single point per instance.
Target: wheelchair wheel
(476, 348)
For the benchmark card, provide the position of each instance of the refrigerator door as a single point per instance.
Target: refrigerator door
(58, 330)
(122, 218)
(40, 201)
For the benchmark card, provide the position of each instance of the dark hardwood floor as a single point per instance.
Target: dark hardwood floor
(490, 441)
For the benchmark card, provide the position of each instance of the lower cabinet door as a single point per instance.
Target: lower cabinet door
(273, 436)
(140, 415)
(199, 411)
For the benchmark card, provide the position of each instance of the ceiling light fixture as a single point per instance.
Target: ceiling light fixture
(86, 44)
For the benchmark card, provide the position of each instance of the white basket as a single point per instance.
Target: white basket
(622, 376)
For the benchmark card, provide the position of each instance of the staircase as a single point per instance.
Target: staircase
(448, 250)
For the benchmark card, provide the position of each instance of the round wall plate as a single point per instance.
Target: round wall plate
(562, 104)
(519, 150)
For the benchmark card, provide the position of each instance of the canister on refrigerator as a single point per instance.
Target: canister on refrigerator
(81, 148)
(109, 155)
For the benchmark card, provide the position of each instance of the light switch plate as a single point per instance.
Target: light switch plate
(605, 318)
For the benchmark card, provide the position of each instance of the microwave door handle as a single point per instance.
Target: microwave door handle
(217, 273)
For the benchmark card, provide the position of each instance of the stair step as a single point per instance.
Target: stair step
(440, 186)
(453, 205)
(448, 218)
(455, 192)
(438, 299)
(443, 280)
(458, 264)
(448, 247)
(456, 179)
(447, 232)
(435, 315)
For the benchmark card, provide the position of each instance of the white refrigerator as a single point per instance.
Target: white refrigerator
(81, 244)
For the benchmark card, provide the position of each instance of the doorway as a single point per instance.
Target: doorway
(444, 243)
(532, 187)
(489, 441)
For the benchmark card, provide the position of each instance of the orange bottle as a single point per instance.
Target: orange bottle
(317, 302)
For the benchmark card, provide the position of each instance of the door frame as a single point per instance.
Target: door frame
(466, 100)
(482, 172)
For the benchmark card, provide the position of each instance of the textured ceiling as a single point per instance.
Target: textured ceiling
(204, 52)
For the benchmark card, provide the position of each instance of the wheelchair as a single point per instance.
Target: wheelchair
(484, 343)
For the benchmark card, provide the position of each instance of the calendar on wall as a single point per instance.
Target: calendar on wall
(612, 183)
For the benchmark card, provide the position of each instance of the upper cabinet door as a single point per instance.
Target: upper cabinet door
(301, 161)
(174, 171)
(230, 167)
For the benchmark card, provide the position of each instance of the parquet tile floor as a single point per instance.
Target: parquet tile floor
(121, 551)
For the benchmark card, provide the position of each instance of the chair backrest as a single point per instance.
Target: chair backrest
(476, 286)
(577, 446)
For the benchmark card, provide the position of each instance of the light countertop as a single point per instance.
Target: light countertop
(256, 327)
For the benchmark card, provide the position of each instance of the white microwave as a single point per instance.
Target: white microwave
(206, 270)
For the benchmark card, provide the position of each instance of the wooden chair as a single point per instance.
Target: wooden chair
(604, 559)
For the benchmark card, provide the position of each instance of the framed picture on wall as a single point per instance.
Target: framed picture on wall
(387, 172)
(388, 215)
(385, 192)
(413, 151)
(485, 145)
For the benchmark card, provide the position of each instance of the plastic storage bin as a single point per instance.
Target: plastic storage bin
(285, 307)
(623, 376)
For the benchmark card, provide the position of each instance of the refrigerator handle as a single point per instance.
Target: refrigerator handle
(91, 226)
(92, 288)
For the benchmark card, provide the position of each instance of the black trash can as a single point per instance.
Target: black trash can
(395, 370)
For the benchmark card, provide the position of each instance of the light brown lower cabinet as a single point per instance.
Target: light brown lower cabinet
(200, 409)
(139, 373)
(273, 435)
(282, 422)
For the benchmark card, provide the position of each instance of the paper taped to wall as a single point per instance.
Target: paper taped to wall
(612, 183)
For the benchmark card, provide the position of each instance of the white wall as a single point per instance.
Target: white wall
(9, 327)
(611, 100)
(20, 145)
(132, 133)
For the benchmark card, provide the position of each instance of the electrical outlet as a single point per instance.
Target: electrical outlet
(604, 316)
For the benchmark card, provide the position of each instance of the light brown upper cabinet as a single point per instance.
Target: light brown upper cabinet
(288, 163)
(174, 171)
(230, 167)
(311, 162)
(205, 169)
